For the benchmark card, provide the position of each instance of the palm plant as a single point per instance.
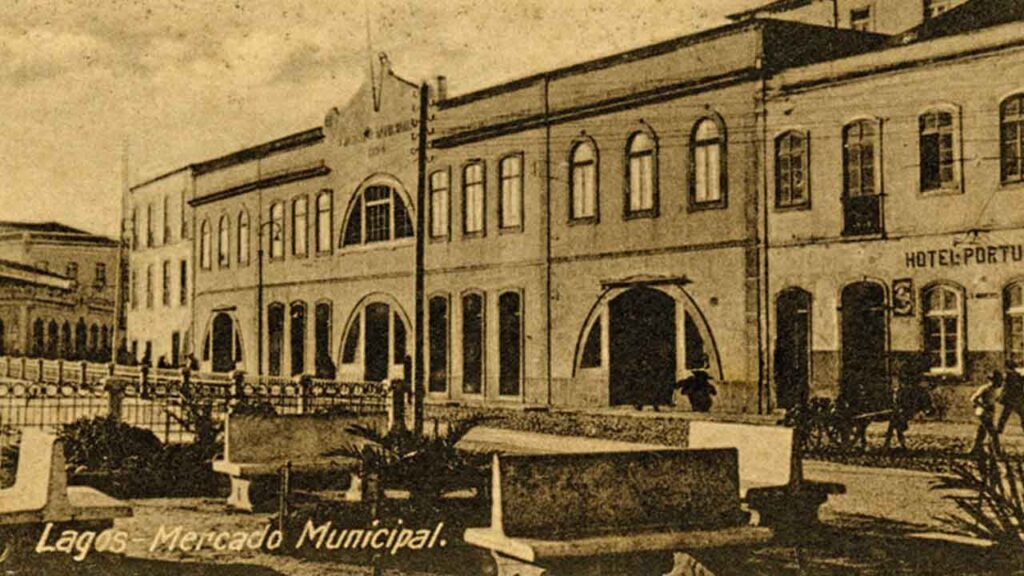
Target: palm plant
(993, 507)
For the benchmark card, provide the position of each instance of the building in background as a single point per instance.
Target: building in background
(57, 291)
(158, 291)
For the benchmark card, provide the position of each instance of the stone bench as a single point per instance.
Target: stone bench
(771, 474)
(257, 447)
(567, 513)
(41, 495)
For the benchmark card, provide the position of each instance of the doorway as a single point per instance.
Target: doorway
(223, 343)
(642, 347)
(377, 342)
(792, 348)
(864, 379)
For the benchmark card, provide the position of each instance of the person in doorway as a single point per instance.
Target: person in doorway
(984, 402)
(1011, 397)
(698, 388)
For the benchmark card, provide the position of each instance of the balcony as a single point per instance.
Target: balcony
(862, 215)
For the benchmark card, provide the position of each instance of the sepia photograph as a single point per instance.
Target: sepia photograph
(520, 288)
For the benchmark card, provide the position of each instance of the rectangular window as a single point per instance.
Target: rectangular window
(300, 230)
(860, 19)
(377, 209)
(133, 293)
(324, 221)
(322, 335)
(473, 198)
(149, 226)
(583, 173)
(166, 296)
(937, 151)
(438, 328)
(134, 239)
(275, 337)
(511, 177)
(167, 220)
(183, 283)
(510, 343)
(100, 282)
(472, 344)
(862, 200)
(791, 169)
(149, 286)
(439, 204)
(1011, 139)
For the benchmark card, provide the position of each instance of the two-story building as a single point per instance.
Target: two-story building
(58, 291)
(895, 218)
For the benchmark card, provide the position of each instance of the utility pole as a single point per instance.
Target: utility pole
(421, 232)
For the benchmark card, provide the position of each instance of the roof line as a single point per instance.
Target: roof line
(288, 142)
(161, 177)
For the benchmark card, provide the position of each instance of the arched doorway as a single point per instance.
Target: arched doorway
(792, 347)
(864, 379)
(223, 339)
(642, 346)
(376, 341)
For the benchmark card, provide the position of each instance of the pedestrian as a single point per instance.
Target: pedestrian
(698, 388)
(984, 402)
(1011, 397)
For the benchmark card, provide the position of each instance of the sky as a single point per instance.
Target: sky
(89, 87)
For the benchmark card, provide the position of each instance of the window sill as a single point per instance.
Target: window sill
(805, 207)
(939, 192)
(704, 206)
(640, 215)
(511, 230)
(440, 239)
(373, 246)
(583, 221)
(473, 235)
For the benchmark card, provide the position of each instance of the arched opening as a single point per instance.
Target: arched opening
(52, 339)
(376, 340)
(642, 347)
(38, 337)
(223, 341)
(81, 338)
(864, 378)
(297, 338)
(792, 347)
(378, 213)
(65, 341)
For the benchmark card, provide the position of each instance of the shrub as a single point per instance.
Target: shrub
(994, 508)
(104, 443)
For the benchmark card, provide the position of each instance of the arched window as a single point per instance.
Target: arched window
(297, 337)
(937, 150)
(1013, 306)
(94, 340)
(791, 169)
(243, 238)
(325, 367)
(81, 338)
(324, 221)
(510, 343)
(205, 248)
(66, 351)
(641, 175)
(510, 174)
(275, 338)
(472, 343)
(943, 329)
(277, 230)
(473, 198)
(52, 339)
(38, 337)
(149, 286)
(583, 181)
(708, 164)
(300, 226)
(438, 334)
(1011, 139)
(378, 214)
(224, 242)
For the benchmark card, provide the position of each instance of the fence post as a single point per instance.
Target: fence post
(60, 372)
(186, 381)
(237, 386)
(144, 381)
(84, 378)
(396, 406)
(24, 364)
(115, 397)
(304, 382)
(40, 364)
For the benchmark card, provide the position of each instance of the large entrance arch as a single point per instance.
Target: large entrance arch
(376, 340)
(640, 338)
(864, 379)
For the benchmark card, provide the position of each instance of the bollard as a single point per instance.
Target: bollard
(115, 397)
(39, 364)
(83, 380)
(144, 381)
(60, 372)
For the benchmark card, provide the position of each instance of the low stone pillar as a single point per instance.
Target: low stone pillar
(114, 388)
(39, 364)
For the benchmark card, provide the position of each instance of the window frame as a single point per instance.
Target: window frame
(629, 155)
(876, 157)
(243, 247)
(446, 298)
(483, 341)
(321, 227)
(595, 166)
(721, 140)
(1004, 178)
(359, 200)
(224, 242)
(805, 158)
(205, 248)
(503, 178)
(961, 333)
(446, 234)
(183, 283)
(955, 186)
(520, 383)
(300, 232)
(276, 238)
(869, 20)
(464, 189)
(165, 276)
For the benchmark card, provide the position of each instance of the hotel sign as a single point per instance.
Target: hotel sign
(965, 256)
(379, 132)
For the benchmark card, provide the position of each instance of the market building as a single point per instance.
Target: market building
(57, 291)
